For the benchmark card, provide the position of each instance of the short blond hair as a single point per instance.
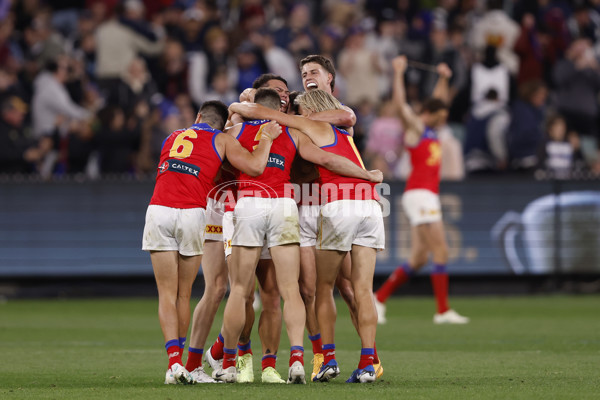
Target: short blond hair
(318, 100)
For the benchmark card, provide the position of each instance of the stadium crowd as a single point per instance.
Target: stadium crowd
(93, 87)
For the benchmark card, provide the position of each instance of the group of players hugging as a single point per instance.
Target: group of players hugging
(227, 196)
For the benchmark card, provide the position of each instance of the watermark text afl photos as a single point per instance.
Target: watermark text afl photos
(306, 194)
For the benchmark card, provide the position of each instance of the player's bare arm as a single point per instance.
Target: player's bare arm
(442, 87)
(314, 129)
(338, 164)
(253, 163)
(343, 118)
(413, 126)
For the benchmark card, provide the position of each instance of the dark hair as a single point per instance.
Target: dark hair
(52, 65)
(262, 80)
(268, 98)
(214, 113)
(491, 94)
(295, 108)
(433, 105)
(528, 89)
(323, 62)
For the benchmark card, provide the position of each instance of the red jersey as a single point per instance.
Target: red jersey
(189, 163)
(274, 182)
(338, 187)
(425, 158)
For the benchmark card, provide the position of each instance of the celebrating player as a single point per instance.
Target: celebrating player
(267, 209)
(175, 219)
(421, 200)
(318, 72)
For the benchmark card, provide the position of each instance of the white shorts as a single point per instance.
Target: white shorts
(308, 217)
(214, 220)
(260, 220)
(422, 206)
(178, 229)
(228, 234)
(343, 223)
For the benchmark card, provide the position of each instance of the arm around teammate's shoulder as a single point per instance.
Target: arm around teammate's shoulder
(333, 162)
(344, 118)
(254, 163)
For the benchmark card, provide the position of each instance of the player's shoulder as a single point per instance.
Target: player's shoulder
(256, 122)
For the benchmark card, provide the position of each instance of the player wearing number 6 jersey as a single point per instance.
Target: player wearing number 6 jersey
(175, 219)
(421, 200)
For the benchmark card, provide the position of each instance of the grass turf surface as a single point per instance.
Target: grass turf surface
(514, 348)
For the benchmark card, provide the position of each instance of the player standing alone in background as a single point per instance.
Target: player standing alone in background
(421, 200)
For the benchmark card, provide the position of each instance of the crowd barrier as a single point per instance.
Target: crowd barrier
(495, 226)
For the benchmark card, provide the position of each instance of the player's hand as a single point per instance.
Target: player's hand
(376, 176)
(399, 64)
(273, 129)
(444, 71)
(248, 95)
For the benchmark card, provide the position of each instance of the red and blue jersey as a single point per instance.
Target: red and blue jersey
(338, 187)
(275, 180)
(426, 158)
(189, 163)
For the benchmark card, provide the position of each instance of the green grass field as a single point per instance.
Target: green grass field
(542, 347)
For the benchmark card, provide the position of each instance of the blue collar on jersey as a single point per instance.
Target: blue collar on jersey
(257, 122)
(428, 133)
(205, 127)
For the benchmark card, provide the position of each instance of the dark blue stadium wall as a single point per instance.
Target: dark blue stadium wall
(495, 227)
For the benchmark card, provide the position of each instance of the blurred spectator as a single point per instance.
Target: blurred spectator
(485, 135)
(249, 66)
(173, 73)
(51, 99)
(384, 141)
(121, 39)
(561, 153)
(539, 45)
(296, 35)
(361, 66)
(577, 81)
(453, 166)
(116, 143)
(135, 85)
(525, 134)
(220, 88)
(279, 61)
(14, 140)
(584, 23)
(496, 28)
(438, 50)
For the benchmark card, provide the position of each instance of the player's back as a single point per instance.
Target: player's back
(425, 158)
(189, 162)
(339, 187)
(274, 181)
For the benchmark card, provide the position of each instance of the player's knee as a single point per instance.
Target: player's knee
(270, 301)
(347, 292)
(308, 294)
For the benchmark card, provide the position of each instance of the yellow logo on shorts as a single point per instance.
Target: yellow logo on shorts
(218, 229)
